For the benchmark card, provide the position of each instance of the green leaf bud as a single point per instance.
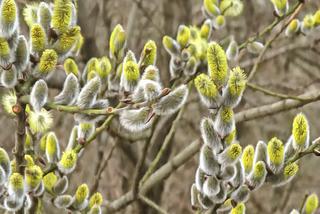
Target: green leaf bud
(89, 93)
(230, 155)
(232, 50)
(37, 38)
(231, 7)
(30, 14)
(206, 29)
(8, 101)
(209, 136)
(61, 15)
(293, 27)
(95, 199)
(275, 154)
(316, 18)
(117, 42)
(171, 46)
(258, 175)
(255, 47)
(130, 76)
(52, 148)
(135, 120)
(148, 55)
(49, 181)
(81, 197)
(211, 186)
(183, 36)
(261, 152)
(308, 24)
(61, 185)
(44, 15)
(33, 177)
(219, 22)
(207, 90)
(207, 162)
(225, 123)
(280, 6)
(48, 61)
(5, 162)
(312, 204)
(4, 52)
(68, 162)
(63, 201)
(40, 122)
(16, 186)
(200, 178)
(241, 194)
(70, 66)
(22, 55)
(236, 85)
(70, 91)
(247, 158)
(217, 64)
(105, 67)
(9, 18)
(172, 102)
(211, 8)
(9, 78)
(239, 209)
(300, 132)
(39, 95)
(29, 160)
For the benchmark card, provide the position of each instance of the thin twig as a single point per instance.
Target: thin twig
(151, 204)
(303, 202)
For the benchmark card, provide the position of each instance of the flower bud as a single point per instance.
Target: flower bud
(70, 91)
(205, 201)
(81, 197)
(241, 194)
(260, 152)
(209, 136)
(148, 55)
(9, 18)
(230, 155)
(67, 41)
(44, 15)
(16, 187)
(275, 154)
(217, 64)
(52, 148)
(316, 18)
(40, 121)
(30, 14)
(130, 76)
(194, 196)
(225, 123)
(230, 138)
(293, 27)
(49, 181)
(225, 208)
(219, 22)
(8, 101)
(200, 179)
(61, 185)
(68, 162)
(191, 66)
(95, 199)
(135, 120)
(255, 47)
(5, 162)
(151, 90)
(89, 93)
(73, 139)
(280, 6)
(63, 201)
(231, 7)
(239, 178)
(33, 177)
(172, 102)
(300, 132)
(239, 209)
(207, 161)
(9, 78)
(247, 158)
(285, 176)
(151, 73)
(22, 55)
(91, 67)
(95, 210)
(207, 90)
(236, 84)
(294, 211)
(183, 36)
(61, 15)
(4, 52)
(210, 8)
(48, 61)
(105, 67)
(221, 196)
(211, 186)
(39, 95)
(117, 42)
(227, 173)
(311, 204)
(38, 39)
(232, 50)
(70, 66)
(206, 29)
(171, 46)
(258, 175)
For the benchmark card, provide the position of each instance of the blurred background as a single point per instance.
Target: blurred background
(294, 70)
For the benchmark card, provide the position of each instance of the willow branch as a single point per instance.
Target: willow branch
(152, 204)
(310, 150)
